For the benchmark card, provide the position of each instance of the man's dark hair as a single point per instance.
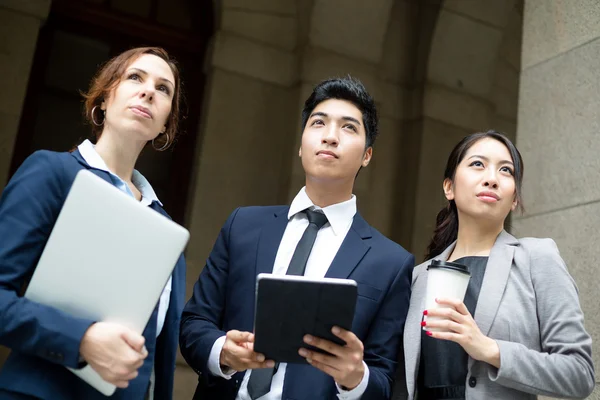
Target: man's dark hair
(349, 89)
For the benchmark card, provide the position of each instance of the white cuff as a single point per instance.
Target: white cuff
(214, 364)
(357, 392)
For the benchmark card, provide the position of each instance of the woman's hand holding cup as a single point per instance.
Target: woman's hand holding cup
(453, 321)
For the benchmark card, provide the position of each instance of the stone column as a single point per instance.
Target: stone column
(457, 97)
(370, 49)
(19, 26)
(248, 127)
(559, 140)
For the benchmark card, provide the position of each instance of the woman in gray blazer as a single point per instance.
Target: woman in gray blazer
(519, 332)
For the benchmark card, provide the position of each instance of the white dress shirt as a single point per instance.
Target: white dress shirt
(328, 242)
(89, 154)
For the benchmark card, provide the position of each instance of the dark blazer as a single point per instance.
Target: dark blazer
(223, 299)
(44, 340)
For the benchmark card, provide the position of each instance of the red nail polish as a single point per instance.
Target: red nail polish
(423, 323)
(428, 333)
(425, 312)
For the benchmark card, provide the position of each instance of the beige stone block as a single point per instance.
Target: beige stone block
(505, 92)
(356, 28)
(576, 233)
(245, 154)
(35, 8)
(552, 27)
(185, 382)
(455, 108)
(296, 182)
(558, 130)
(255, 60)
(279, 7)
(378, 203)
(494, 13)
(397, 62)
(18, 37)
(395, 102)
(9, 126)
(505, 103)
(464, 53)
(403, 211)
(303, 15)
(437, 141)
(510, 49)
(276, 30)
(507, 76)
(297, 177)
(319, 64)
(506, 126)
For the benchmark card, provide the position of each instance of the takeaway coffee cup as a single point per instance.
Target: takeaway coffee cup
(445, 279)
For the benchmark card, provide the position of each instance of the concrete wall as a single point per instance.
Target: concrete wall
(558, 138)
(19, 26)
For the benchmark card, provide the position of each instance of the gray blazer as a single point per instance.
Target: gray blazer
(529, 304)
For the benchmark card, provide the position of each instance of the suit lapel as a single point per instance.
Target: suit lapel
(100, 173)
(270, 238)
(494, 281)
(412, 329)
(496, 276)
(352, 250)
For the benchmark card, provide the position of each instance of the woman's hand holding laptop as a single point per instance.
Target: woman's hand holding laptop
(113, 351)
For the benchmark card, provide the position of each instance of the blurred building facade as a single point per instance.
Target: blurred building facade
(438, 69)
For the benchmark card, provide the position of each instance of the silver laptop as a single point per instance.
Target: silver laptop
(108, 258)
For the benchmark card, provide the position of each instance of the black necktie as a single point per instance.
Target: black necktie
(259, 383)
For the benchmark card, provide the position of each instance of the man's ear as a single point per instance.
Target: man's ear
(367, 157)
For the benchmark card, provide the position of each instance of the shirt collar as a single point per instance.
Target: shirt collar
(338, 215)
(91, 156)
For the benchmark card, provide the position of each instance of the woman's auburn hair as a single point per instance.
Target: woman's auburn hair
(108, 78)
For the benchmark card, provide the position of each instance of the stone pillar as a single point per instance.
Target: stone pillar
(558, 138)
(19, 26)
(458, 97)
(371, 50)
(248, 130)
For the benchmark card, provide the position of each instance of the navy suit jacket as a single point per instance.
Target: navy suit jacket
(44, 340)
(223, 299)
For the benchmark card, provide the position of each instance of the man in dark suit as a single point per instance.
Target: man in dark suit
(319, 235)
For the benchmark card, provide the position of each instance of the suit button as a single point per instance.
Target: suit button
(472, 381)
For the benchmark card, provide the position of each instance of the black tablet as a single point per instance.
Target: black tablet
(288, 307)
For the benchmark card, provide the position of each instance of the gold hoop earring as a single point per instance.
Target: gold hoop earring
(94, 120)
(165, 146)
